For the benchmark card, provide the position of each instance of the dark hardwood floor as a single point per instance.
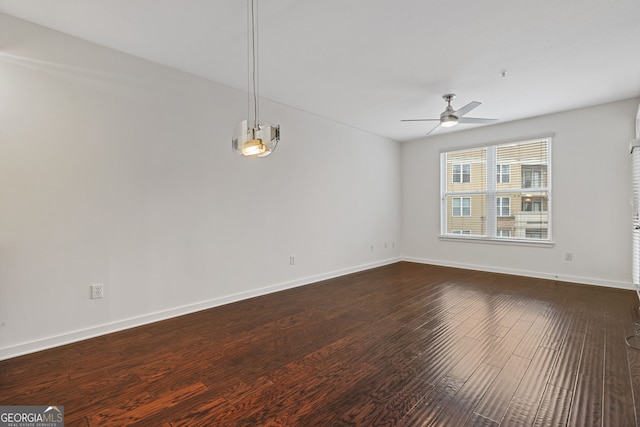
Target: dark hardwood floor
(401, 345)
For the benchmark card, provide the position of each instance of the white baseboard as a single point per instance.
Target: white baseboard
(119, 325)
(526, 273)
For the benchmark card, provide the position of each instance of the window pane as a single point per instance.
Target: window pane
(466, 214)
(455, 206)
(527, 164)
(466, 173)
(456, 173)
(503, 174)
(465, 170)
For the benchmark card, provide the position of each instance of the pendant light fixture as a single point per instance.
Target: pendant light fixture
(250, 137)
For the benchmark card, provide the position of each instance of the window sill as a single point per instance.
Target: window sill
(508, 242)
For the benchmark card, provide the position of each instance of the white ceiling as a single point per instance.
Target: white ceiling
(371, 63)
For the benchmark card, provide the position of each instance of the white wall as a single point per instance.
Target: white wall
(118, 171)
(591, 198)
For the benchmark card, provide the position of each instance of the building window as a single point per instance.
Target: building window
(461, 173)
(461, 206)
(534, 176)
(532, 204)
(502, 206)
(536, 233)
(461, 232)
(510, 192)
(503, 173)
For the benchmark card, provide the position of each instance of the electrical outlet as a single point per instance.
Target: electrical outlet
(97, 291)
(568, 256)
(292, 260)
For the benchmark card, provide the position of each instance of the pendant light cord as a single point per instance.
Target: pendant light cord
(254, 62)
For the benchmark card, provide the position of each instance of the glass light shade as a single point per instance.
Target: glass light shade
(255, 142)
(448, 121)
(253, 147)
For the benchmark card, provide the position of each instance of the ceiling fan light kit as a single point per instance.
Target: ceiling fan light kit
(450, 117)
(448, 121)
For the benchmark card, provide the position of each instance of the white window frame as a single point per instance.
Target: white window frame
(492, 192)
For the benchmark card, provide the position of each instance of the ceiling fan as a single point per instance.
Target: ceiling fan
(450, 117)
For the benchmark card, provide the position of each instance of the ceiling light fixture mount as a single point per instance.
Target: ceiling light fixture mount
(257, 140)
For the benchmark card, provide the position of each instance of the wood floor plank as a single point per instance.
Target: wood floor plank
(527, 348)
(527, 397)
(405, 344)
(461, 407)
(566, 368)
(618, 405)
(477, 352)
(587, 408)
(426, 411)
(554, 407)
(496, 400)
(477, 420)
(633, 356)
(510, 342)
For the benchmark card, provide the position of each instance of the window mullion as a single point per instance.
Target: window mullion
(491, 192)
(443, 192)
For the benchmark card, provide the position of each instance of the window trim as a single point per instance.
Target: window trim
(547, 242)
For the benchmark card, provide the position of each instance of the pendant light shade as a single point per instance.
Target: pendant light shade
(255, 142)
(258, 140)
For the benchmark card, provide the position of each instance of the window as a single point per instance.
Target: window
(502, 205)
(503, 173)
(461, 231)
(536, 233)
(533, 176)
(461, 173)
(461, 206)
(510, 192)
(532, 204)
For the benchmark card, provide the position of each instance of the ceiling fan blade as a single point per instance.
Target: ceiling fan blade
(474, 120)
(435, 127)
(420, 120)
(464, 110)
